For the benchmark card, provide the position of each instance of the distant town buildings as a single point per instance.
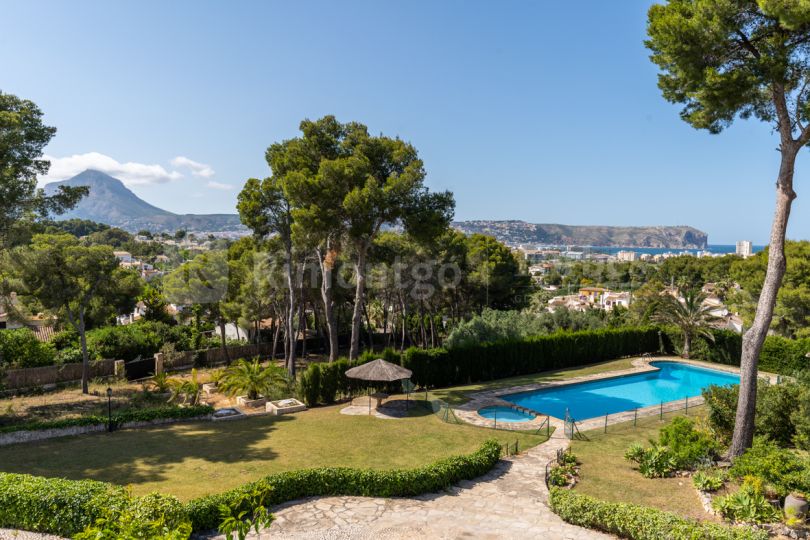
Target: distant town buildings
(626, 256)
(744, 248)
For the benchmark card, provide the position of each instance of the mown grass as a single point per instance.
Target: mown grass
(194, 459)
(606, 475)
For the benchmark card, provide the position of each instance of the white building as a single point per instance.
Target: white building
(123, 256)
(745, 248)
(626, 256)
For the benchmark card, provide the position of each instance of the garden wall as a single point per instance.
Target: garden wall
(41, 376)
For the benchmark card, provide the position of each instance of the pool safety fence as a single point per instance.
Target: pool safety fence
(627, 420)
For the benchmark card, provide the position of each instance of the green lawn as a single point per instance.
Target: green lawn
(606, 475)
(193, 459)
(455, 395)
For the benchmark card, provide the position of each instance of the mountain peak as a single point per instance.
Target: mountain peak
(113, 203)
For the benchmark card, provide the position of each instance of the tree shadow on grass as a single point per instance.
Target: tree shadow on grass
(137, 456)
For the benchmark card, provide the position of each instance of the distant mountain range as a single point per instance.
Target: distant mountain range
(111, 202)
(520, 232)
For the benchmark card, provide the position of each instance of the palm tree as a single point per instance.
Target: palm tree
(252, 379)
(689, 314)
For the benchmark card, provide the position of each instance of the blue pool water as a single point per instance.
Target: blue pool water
(505, 414)
(672, 381)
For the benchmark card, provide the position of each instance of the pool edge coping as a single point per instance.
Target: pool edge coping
(488, 398)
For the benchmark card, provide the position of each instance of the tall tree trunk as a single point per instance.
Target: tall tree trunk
(755, 336)
(687, 344)
(404, 318)
(276, 331)
(303, 325)
(359, 291)
(292, 337)
(85, 355)
(327, 262)
(370, 330)
(223, 341)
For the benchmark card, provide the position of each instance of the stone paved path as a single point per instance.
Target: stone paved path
(508, 502)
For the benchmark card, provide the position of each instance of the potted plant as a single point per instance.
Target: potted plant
(214, 378)
(796, 505)
(251, 382)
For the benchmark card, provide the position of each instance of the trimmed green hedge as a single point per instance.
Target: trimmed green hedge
(779, 354)
(54, 505)
(287, 486)
(639, 522)
(132, 415)
(435, 368)
(488, 361)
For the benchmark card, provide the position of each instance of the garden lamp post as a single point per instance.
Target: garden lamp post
(109, 409)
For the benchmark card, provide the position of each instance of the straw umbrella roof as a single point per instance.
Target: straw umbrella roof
(379, 370)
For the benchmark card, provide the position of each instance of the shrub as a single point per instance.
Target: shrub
(746, 505)
(310, 385)
(653, 462)
(722, 404)
(205, 512)
(639, 522)
(132, 415)
(20, 348)
(778, 467)
(54, 505)
(689, 446)
(705, 481)
(252, 379)
(561, 475)
(153, 516)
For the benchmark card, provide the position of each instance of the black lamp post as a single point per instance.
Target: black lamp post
(109, 409)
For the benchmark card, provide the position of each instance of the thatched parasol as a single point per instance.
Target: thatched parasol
(378, 370)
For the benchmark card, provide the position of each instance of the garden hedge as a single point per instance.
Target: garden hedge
(488, 361)
(67, 507)
(639, 522)
(132, 415)
(779, 354)
(54, 505)
(339, 481)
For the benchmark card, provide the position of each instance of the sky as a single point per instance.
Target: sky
(535, 110)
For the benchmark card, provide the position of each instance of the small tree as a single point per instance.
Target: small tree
(252, 379)
(67, 278)
(690, 315)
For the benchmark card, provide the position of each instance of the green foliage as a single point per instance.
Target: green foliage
(252, 379)
(488, 361)
(493, 325)
(185, 390)
(639, 522)
(20, 348)
(746, 505)
(780, 468)
(54, 505)
(246, 513)
(322, 383)
(705, 481)
(691, 316)
(159, 382)
(153, 516)
(287, 486)
(653, 462)
(780, 407)
(118, 418)
(689, 446)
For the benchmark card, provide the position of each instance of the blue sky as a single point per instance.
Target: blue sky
(546, 112)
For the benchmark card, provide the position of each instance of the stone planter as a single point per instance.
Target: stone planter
(243, 401)
(284, 406)
(796, 505)
(209, 388)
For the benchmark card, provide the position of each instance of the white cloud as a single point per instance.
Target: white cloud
(197, 169)
(217, 185)
(131, 173)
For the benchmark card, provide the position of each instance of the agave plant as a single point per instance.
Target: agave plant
(252, 379)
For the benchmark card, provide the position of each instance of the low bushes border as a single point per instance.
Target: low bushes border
(639, 522)
(118, 419)
(341, 481)
(66, 507)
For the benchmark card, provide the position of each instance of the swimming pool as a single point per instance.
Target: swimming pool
(501, 413)
(672, 381)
